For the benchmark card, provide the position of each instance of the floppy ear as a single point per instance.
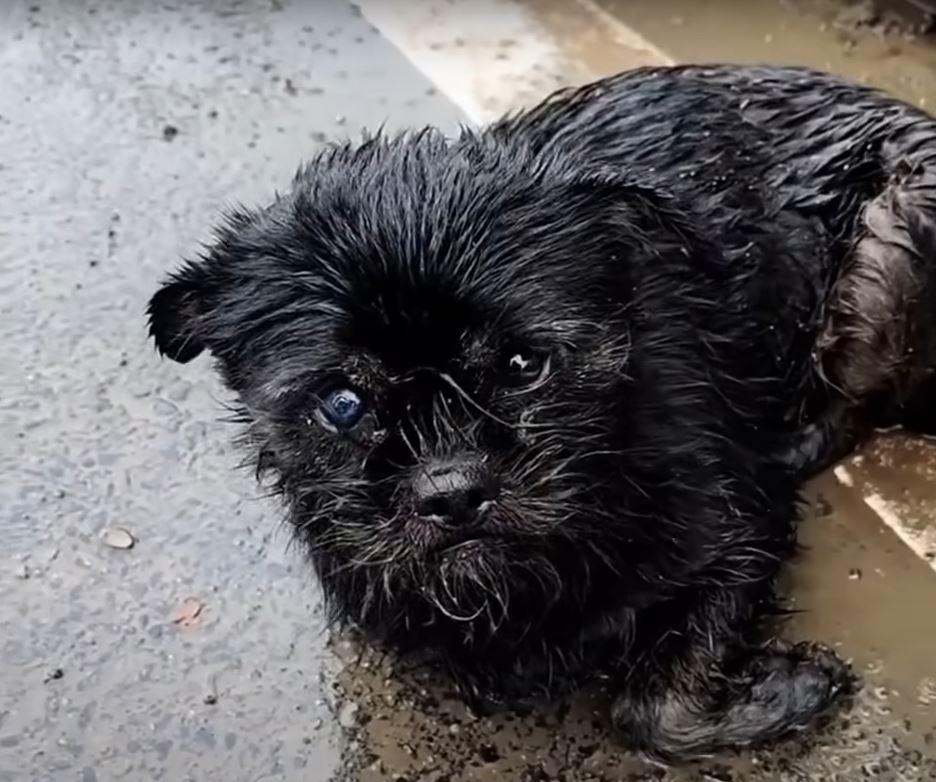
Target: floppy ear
(649, 211)
(175, 312)
(651, 205)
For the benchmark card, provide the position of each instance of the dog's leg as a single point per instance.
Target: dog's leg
(841, 428)
(877, 348)
(713, 697)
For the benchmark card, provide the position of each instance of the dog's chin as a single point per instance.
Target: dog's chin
(458, 555)
(472, 581)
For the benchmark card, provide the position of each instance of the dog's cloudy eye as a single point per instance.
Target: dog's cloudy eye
(343, 408)
(525, 368)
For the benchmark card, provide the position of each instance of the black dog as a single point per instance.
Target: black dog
(539, 398)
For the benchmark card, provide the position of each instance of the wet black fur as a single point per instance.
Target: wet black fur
(675, 240)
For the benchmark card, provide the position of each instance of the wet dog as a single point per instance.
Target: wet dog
(539, 398)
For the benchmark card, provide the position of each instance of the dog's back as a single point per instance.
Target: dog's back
(820, 194)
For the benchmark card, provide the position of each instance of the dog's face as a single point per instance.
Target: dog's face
(433, 346)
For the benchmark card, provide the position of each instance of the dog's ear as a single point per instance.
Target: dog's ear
(650, 205)
(176, 313)
(643, 210)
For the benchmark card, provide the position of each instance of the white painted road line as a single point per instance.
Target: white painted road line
(479, 53)
(920, 541)
(492, 56)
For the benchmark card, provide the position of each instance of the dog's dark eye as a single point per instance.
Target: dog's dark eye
(525, 368)
(342, 408)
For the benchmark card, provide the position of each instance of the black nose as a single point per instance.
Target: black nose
(454, 491)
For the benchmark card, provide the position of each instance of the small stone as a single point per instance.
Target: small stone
(170, 132)
(55, 673)
(854, 574)
(347, 717)
(210, 699)
(117, 537)
(22, 572)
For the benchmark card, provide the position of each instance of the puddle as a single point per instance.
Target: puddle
(818, 33)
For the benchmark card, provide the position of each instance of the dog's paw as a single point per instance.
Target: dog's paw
(784, 687)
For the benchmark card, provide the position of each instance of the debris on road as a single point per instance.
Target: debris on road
(117, 537)
(186, 615)
(347, 717)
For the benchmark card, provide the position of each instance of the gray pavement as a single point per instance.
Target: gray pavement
(99, 196)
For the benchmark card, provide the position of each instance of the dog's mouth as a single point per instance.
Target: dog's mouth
(468, 551)
(456, 546)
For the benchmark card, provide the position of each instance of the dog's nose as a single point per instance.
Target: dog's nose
(454, 491)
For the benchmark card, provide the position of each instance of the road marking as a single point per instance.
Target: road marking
(844, 476)
(625, 35)
(921, 542)
(479, 53)
(490, 57)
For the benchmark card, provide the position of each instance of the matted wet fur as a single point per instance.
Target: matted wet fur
(539, 398)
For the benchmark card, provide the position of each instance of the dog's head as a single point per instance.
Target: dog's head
(442, 362)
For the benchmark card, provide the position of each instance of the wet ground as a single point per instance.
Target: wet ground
(200, 653)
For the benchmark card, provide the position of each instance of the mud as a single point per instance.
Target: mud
(867, 42)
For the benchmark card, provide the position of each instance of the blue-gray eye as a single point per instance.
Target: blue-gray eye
(343, 408)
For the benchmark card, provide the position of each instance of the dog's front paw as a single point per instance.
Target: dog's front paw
(783, 688)
(765, 695)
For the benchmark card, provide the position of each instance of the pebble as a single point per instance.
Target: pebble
(347, 717)
(117, 537)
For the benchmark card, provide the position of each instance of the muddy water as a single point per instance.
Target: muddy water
(840, 37)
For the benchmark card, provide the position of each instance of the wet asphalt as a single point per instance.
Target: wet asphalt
(200, 652)
(124, 129)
